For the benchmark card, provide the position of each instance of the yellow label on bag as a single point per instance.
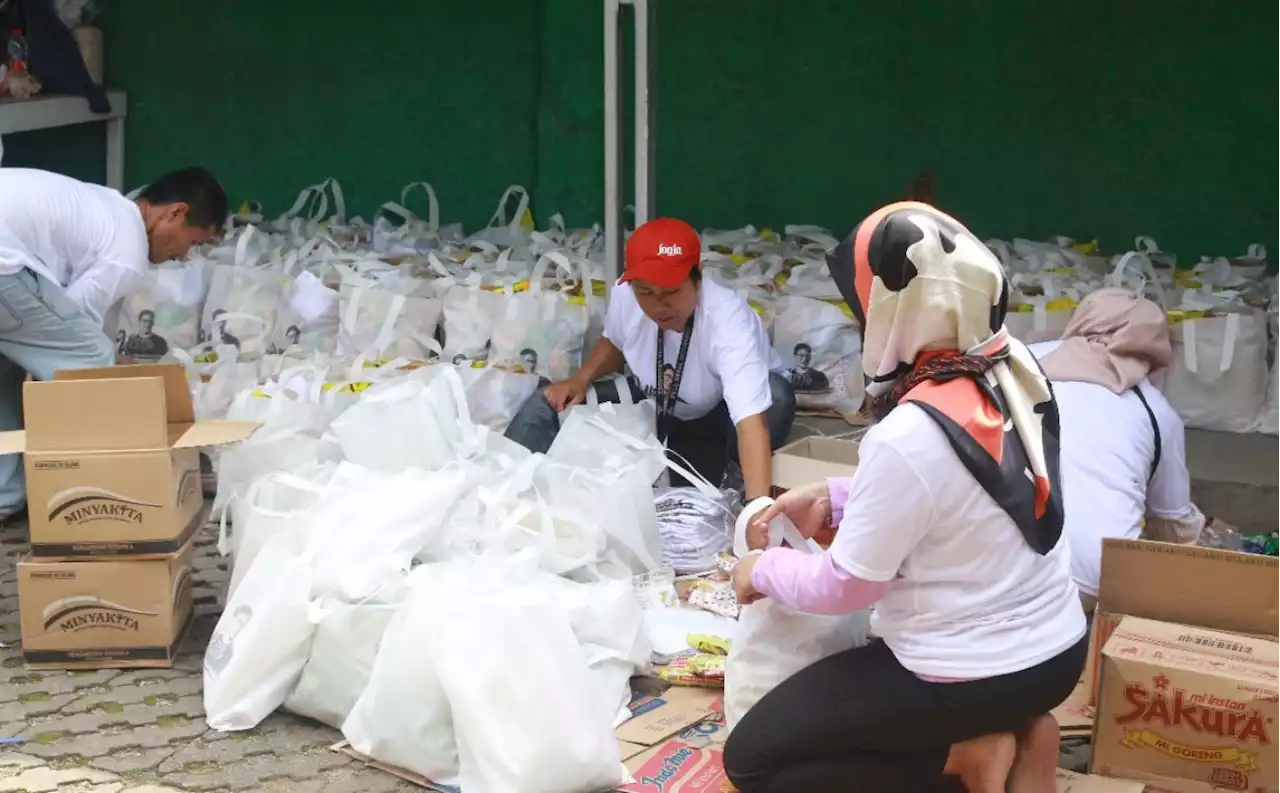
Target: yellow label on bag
(1182, 315)
(1057, 304)
(1086, 248)
(245, 208)
(258, 392)
(348, 388)
(1186, 279)
(768, 235)
(756, 307)
(206, 357)
(739, 258)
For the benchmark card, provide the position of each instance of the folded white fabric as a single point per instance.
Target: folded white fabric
(694, 528)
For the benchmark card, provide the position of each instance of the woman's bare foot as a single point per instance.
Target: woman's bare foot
(983, 764)
(1037, 758)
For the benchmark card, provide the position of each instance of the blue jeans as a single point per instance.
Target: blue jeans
(708, 442)
(41, 331)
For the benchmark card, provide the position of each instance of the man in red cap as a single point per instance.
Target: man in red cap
(693, 346)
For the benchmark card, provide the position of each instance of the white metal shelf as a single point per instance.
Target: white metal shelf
(47, 112)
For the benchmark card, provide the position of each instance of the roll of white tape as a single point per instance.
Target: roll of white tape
(752, 509)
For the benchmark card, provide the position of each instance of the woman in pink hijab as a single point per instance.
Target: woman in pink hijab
(1123, 448)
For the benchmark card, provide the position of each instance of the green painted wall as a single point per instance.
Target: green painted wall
(1095, 118)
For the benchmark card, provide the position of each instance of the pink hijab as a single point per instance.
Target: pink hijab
(1115, 339)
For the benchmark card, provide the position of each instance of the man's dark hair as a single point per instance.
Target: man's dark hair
(146, 313)
(195, 187)
(802, 346)
(695, 274)
(529, 351)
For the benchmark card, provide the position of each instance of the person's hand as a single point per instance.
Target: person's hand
(742, 586)
(808, 507)
(566, 393)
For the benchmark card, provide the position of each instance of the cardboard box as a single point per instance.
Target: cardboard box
(106, 613)
(1179, 702)
(1205, 587)
(113, 461)
(1069, 782)
(812, 459)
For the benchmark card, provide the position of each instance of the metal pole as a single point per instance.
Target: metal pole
(644, 18)
(612, 146)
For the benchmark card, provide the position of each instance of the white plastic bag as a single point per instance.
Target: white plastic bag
(774, 642)
(823, 349)
(262, 640)
(403, 716)
(407, 424)
(501, 647)
(1270, 421)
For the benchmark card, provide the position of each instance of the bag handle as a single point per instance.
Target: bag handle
(781, 530)
(433, 204)
(499, 218)
(1191, 355)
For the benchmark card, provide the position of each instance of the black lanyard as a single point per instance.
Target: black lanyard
(667, 401)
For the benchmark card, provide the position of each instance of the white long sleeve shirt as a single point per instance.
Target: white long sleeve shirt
(89, 239)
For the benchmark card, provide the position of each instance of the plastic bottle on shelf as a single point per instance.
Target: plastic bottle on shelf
(17, 52)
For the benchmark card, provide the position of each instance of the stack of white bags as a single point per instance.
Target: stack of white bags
(457, 606)
(1221, 312)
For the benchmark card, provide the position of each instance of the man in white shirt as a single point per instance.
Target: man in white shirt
(68, 252)
(696, 348)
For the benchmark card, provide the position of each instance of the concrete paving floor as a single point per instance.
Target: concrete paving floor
(143, 731)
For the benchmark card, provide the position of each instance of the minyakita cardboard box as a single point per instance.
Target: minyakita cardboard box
(104, 613)
(1179, 702)
(113, 461)
(1186, 584)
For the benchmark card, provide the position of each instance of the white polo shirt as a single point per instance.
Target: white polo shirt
(969, 598)
(88, 239)
(1107, 450)
(729, 355)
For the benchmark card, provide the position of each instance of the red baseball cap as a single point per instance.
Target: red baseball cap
(662, 252)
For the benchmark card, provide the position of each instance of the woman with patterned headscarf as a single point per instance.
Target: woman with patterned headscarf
(951, 525)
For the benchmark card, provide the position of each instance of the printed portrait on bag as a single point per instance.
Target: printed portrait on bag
(146, 343)
(804, 378)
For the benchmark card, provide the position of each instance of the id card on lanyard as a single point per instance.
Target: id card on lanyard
(668, 396)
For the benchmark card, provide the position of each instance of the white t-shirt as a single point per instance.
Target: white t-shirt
(970, 598)
(729, 354)
(87, 238)
(1107, 449)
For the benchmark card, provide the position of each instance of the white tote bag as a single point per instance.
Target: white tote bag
(539, 331)
(1270, 421)
(774, 642)
(470, 315)
(512, 737)
(275, 504)
(409, 423)
(308, 317)
(379, 323)
(403, 716)
(343, 653)
(1218, 377)
(164, 312)
(262, 640)
(494, 396)
(507, 232)
(822, 348)
(241, 308)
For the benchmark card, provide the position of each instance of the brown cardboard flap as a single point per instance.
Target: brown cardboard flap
(95, 415)
(812, 460)
(212, 433)
(177, 396)
(1188, 584)
(1241, 656)
(14, 442)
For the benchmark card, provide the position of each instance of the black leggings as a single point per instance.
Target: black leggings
(859, 721)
